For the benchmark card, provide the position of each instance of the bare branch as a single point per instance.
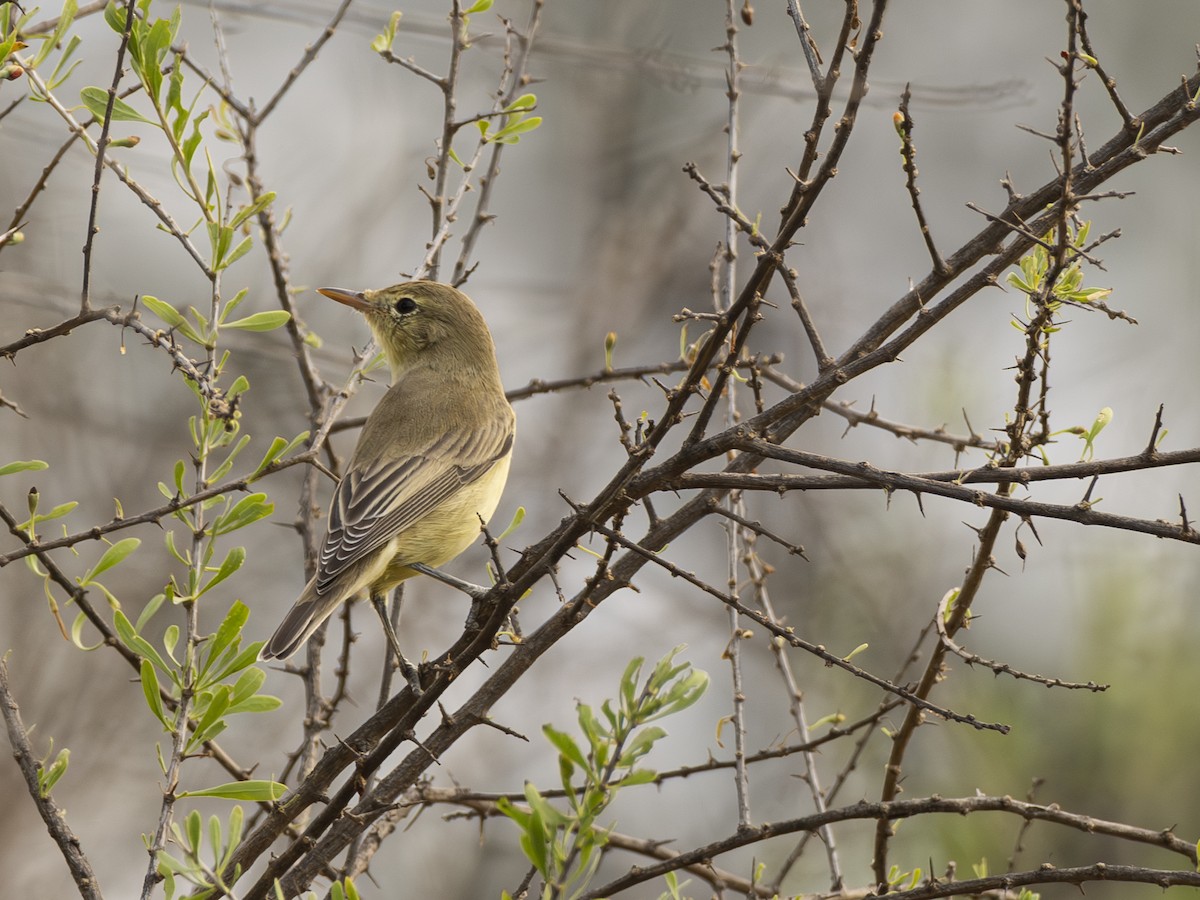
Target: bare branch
(902, 809)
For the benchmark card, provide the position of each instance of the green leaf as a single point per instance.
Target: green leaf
(193, 823)
(153, 696)
(136, 642)
(233, 832)
(77, 627)
(640, 745)
(240, 385)
(247, 657)
(208, 723)
(637, 776)
(158, 41)
(233, 304)
(595, 733)
(66, 17)
(61, 510)
(478, 7)
(48, 777)
(278, 445)
(254, 791)
(688, 691)
(114, 15)
(565, 745)
(112, 556)
(214, 833)
(31, 465)
(533, 841)
(629, 679)
(238, 252)
(212, 190)
(264, 200)
(194, 139)
(222, 470)
(524, 103)
(520, 816)
(183, 557)
(247, 685)
(58, 76)
(174, 100)
(268, 320)
(551, 817)
(517, 519)
(155, 44)
(232, 562)
(247, 511)
(257, 704)
(511, 134)
(278, 448)
(219, 237)
(164, 311)
(383, 42)
(96, 101)
(226, 635)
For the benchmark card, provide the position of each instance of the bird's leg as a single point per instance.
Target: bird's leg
(474, 591)
(379, 601)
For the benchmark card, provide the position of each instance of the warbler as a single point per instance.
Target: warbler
(431, 461)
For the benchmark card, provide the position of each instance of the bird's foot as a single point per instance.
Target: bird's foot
(411, 675)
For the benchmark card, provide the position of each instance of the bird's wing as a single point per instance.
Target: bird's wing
(375, 502)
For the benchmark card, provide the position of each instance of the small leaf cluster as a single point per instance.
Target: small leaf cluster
(50, 41)
(514, 122)
(220, 658)
(48, 775)
(382, 43)
(192, 866)
(565, 846)
(160, 70)
(200, 329)
(1068, 286)
(113, 555)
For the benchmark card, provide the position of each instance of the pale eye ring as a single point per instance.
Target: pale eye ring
(405, 305)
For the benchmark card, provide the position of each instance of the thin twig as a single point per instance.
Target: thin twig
(85, 298)
(998, 668)
(808, 45)
(903, 809)
(788, 634)
(52, 814)
(310, 53)
(724, 272)
(517, 76)
(908, 152)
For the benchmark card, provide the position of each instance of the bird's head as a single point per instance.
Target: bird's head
(423, 321)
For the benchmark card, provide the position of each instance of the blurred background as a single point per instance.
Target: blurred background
(599, 230)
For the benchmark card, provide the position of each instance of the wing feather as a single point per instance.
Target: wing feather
(375, 503)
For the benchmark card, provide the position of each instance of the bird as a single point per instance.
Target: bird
(430, 464)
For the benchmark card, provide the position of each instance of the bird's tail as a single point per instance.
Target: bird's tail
(305, 617)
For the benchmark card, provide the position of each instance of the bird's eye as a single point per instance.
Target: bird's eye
(405, 305)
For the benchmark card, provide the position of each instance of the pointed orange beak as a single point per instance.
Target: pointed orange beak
(354, 299)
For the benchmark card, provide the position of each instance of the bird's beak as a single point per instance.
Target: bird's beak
(353, 299)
